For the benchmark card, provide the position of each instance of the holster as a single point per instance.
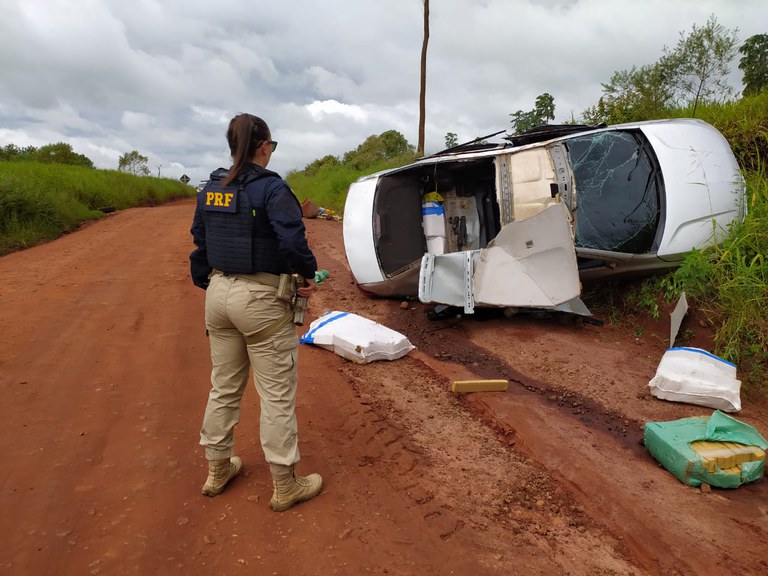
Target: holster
(286, 288)
(287, 291)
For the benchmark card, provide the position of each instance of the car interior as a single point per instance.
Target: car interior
(468, 198)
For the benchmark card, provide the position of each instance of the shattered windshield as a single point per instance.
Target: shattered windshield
(617, 192)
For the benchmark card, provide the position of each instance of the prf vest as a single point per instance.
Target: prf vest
(238, 235)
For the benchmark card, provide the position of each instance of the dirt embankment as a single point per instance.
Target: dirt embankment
(104, 369)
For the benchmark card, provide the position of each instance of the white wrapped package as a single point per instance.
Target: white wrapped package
(697, 377)
(356, 338)
(433, 222)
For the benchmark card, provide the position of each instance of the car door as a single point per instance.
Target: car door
(530, 264)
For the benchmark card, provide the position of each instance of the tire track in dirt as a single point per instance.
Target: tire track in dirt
(467, 477)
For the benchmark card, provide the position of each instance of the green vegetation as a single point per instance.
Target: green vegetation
(59, 153)
(326, 180)
(39, 202)
(692, 74)
(543, 111)
(698, 66)
(754, 64)
(133, 163)
(730, 284)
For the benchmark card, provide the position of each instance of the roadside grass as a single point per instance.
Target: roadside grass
(39, 202)
(743, 122)
(328, 186)
(728, 283)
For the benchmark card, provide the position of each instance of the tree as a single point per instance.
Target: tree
(451, 140)
(544, 110)
(693, 73)
(643, 93)
(133, 163)
(700, 63)
(754, 64)
(61, 153)
(13, 152)
(386, 145)
(423, 89)
(329, 161)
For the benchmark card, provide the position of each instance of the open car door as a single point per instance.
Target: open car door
(531, 263)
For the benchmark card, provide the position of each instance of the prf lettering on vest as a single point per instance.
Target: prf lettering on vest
(218, 198)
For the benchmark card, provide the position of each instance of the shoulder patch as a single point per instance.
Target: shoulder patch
(219, 199)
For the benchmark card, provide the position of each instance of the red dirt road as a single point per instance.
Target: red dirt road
(104, 373)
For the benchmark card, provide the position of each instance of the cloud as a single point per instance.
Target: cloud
(164, 78)
(320, 110)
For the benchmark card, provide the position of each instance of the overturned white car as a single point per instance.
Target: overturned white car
(519, 223)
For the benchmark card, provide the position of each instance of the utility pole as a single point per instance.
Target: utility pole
(423, 91)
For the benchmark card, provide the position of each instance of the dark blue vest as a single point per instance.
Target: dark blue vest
(238, 235)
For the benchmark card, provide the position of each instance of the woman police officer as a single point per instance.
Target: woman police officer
(248, 230)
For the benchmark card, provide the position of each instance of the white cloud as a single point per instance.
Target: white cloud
(321, 109)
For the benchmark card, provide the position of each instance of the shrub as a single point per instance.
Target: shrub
(41, 201)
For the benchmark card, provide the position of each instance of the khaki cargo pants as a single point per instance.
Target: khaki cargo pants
(238, 311)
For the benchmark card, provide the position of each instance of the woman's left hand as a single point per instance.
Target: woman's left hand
(308, 289)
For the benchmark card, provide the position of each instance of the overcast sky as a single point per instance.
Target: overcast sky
(165, 76)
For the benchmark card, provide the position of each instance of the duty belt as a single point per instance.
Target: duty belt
(260, 277)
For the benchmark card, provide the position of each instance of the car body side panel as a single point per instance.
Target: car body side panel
(604, 264)
(359, 232)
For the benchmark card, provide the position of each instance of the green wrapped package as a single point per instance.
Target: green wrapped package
(681, 447)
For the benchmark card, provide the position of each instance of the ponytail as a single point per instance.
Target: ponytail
(244, 135)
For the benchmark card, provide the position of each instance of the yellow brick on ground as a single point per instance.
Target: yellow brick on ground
(479, 385)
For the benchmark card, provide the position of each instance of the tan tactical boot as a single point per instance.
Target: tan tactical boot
(290, 489)
(219, 473)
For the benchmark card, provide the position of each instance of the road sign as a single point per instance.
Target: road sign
(184, 178)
